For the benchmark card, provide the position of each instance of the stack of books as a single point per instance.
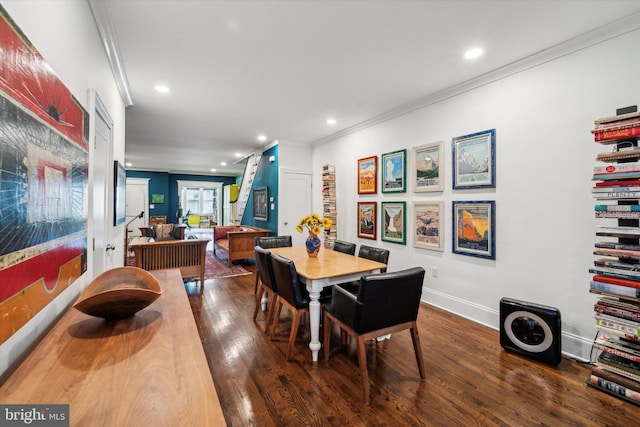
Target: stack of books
(616, 276)
(329, 202)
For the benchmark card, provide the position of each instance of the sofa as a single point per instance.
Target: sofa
(237, 240)
(161, 232)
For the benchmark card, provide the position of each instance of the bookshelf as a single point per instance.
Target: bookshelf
(616, 268)
(329, 203)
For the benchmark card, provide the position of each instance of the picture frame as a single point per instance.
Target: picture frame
(157, 198)
(367, 220)
(368, 175)
(119, 193)
(393, 221)
(394, 172)
(260, 204)
(474, 228)
(474, 160)
(428, 220)
(428, 167)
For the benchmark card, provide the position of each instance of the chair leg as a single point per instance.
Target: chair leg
(418, 350)
(276, 317)
(362, 364)
(294, 332)
(327, 335)
(255, 287)
(272, 305)
(258, 302)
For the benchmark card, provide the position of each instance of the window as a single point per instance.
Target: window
(201, 198)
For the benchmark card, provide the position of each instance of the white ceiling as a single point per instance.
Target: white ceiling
(238, 69)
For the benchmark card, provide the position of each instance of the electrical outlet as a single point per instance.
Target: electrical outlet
(434, 271)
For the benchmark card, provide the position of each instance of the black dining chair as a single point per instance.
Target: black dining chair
(385, 303)
(267, 284)
(291, 293)
(372, 253)
(344, 247)
(268, 243)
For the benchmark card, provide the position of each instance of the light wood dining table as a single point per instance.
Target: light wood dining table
(328, 269)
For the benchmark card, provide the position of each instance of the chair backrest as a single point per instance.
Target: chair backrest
(265, 270)
(273, 242)
(286, 279)
(389, 298)
(375, 254)
(345, 247)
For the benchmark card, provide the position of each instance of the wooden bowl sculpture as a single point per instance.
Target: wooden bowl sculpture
(119, 293)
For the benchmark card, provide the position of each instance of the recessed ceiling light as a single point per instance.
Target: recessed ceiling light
(223, 163)
(128, 164)
(213, 169)
(238, 155)
(473, 53)
(331, 121)
(162, 88)
(262, 138)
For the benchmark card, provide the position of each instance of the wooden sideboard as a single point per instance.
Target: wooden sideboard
(147, 370)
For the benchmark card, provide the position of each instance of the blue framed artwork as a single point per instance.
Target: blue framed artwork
(474, 228)
(394, 172)
(474, 160)
(393, 221)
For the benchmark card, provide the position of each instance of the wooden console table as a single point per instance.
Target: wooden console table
(147, 370)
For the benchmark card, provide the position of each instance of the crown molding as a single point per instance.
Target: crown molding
(591, 38)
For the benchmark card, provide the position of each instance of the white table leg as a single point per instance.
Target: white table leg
(264, 301)
(314, 319)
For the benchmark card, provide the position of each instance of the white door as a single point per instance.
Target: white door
(295, 202)
(102, 155)
(137, 203)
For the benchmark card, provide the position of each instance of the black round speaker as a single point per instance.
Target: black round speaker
(531, 330)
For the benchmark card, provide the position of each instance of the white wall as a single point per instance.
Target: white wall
(64, 32)
(544, 211)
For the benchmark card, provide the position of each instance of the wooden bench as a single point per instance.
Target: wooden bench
(187, 255)
(147, 370)
(237, 240)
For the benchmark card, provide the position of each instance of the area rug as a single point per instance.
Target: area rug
(215, 266)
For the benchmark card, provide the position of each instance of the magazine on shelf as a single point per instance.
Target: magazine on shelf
(618, 215)
(616, 118)
(615, 289)
(614, 245)
(618, 208)
(619, 183)
(615, 263)
(616, 281)
(616, 272)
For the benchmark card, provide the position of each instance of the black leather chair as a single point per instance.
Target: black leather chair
(291, 293)
(344, 247)
(268, 243)
(267, 284)
(386, 303)
(368, 252)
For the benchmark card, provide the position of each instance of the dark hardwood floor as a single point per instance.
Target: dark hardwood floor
(470, 379)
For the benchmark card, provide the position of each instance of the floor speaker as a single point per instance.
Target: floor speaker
(531, 330)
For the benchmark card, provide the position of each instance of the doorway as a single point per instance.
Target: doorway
(291, 209)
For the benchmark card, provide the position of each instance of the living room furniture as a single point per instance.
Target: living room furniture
(146, 370)
(386, 303)
(344, 247)
(268, 285)
(328, 269)
(160, 232)
(157, 219)
(189, 256)
(271, 242)
(237, 240)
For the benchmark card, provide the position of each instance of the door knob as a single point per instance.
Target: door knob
(110, 247)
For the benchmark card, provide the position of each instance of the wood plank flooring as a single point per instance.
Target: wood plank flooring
(470, 379)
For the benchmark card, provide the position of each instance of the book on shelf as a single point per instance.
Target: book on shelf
(618, 346)
(614, 289)
(619, 208)
(622, 183)
(613, 156)
(616, 118)
(605, 374)
(615, 332)
(614, 281)
(614, 245)
(619, 167)
(615, 263)
(617, 252)
(616, 272)
(618, 215)
(616, 303)
(614, 389)
(601, 189)
(617, 325)
(600, 135)
(618, 124)
(622, 366)
(616, 175)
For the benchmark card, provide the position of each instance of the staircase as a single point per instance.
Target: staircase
(247, 183)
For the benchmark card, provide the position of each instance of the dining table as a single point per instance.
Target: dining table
(327, 269)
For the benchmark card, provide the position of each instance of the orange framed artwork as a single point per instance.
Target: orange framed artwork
(368, 175)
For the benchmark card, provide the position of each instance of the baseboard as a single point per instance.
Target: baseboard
(573, 346)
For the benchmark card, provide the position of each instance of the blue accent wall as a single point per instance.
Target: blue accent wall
(266, 176)
(167, 184)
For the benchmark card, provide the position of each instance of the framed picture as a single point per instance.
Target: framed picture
(393, 222)
(428, 164)
(428, 218)
(394, 172)
(368, 175)
(367, 220)
(474, 160)
(157, 198)
(119, 193)
(474, 228)
(260, 204)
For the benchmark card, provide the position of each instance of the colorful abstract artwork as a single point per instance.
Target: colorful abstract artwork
(43, 182)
